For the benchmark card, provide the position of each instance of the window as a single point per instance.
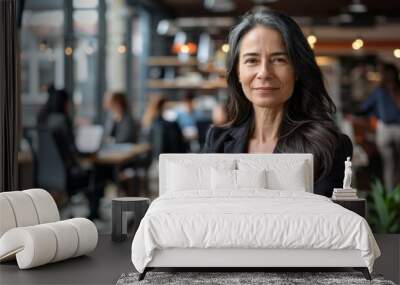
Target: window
(42, 62)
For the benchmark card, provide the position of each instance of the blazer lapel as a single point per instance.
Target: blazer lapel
(237, 140)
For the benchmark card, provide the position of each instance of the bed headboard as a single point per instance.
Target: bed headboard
(284, 160)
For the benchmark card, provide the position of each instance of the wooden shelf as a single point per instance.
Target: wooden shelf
(170, 61)
(181, 83)
(210, 68)
(174, 84)
(174, 61)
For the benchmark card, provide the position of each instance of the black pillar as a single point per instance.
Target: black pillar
(68, 47)
(9, 95)
(101, 61)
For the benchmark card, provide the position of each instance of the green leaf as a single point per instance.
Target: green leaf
(395, 195)
(381, 207)
(394, 229)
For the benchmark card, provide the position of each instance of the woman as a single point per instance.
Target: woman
(123, 128)
(277, 100)
(165, 136)
(384, 104)
(55, 115)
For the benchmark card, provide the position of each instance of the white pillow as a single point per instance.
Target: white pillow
(226, 179)
(282, 174)
(251, 178)
(223, 179)
(189, 175)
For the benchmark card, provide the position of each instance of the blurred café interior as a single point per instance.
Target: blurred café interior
(136, 78)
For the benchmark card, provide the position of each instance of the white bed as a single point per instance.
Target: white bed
(201, 220)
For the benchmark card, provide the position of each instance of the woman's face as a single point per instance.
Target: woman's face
(116, 109)
(264, 69)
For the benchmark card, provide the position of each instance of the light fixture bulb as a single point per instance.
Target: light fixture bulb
(357, 44)
(121, 49)
(185, 48)
(225, 48)
(312, 39)
(396, 52)
(68, 50)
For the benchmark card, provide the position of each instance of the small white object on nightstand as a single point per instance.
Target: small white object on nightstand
(347, 174)
(345, 193)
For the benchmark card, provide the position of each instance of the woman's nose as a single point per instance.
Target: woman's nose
(265, 70)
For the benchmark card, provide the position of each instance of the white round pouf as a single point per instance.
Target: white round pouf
(31, 232)
(67, 239)
(7, 218)
(33, 246)
(45, 205)
(23, 208)
(87, 234)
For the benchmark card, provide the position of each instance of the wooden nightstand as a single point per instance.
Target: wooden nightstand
(356, 205)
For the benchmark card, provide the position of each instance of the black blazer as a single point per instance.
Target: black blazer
(125, 131)
(166, 137)
(235, 139)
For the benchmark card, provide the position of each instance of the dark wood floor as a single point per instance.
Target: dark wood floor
(110, 259)
(103, 266)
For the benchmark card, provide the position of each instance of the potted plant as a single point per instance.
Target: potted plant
(384, 209)
(384, 219)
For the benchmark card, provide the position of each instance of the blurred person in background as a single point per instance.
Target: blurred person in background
(219, 115)
(108, 121)
(384, 104)
(150, 114)
(55, 116)
(188, 117)
(165, 136)
(122, 128)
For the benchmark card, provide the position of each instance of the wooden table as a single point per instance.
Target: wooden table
(117, 157)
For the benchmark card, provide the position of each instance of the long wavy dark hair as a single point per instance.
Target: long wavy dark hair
(307, 125)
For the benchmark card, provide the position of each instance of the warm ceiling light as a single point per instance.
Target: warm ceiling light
(121, 49)
(396, 52)
(184, 48)
(357, 44)
(225, 48)
(312, 39)
(68, 50)
(192, 47)
(357, 7)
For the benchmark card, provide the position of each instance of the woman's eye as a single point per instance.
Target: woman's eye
(250, 61)
(279, 60)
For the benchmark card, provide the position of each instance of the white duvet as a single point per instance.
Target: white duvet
(250, 219)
